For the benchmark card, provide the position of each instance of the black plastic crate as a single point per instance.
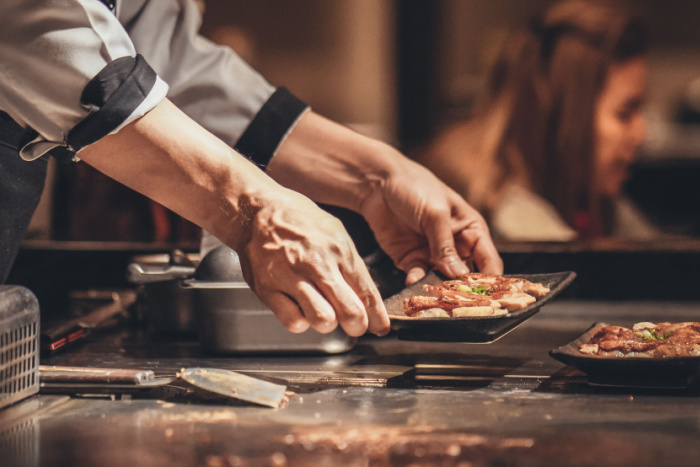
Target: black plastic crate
(19, 344)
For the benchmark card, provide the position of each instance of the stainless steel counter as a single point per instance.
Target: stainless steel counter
(386, 402)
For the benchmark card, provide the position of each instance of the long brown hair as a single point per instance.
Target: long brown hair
(535, 125)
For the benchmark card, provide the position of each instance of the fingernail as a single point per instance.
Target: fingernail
(414, 275)
(328, 326)
(298, 326)
(457, 267)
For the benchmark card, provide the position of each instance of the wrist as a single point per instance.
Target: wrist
(237, 202)
(332, 164)
(380, 162)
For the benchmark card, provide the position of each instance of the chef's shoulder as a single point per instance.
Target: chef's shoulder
(63, 60)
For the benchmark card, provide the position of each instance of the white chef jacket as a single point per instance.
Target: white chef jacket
(73, 71)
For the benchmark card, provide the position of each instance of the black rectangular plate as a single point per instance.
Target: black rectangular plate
(642, 372)
(472, 329)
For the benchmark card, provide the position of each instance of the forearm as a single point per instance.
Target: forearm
(292, 253)
(331, 163)
(169, 158)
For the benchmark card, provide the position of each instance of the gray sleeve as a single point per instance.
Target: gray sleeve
(51, 50)
(209, 82)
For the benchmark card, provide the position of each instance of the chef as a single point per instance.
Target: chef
(130, 88)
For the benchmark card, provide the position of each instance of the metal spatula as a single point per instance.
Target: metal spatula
(144, 383)
(236, 385)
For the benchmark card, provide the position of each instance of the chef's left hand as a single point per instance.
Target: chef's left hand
(420, 223)
(417, 220)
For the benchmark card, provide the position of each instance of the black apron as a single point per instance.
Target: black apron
(21, 184)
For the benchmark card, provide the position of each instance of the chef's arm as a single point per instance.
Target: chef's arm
(416, 218)
(298, 259)
(325, 161)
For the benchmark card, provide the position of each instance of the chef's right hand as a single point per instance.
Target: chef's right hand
(303, 265)
(298, 259)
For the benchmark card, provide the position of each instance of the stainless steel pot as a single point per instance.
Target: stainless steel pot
(232, 319)
(213, 301)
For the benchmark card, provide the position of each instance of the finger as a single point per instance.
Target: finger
(464, 249)
(287, 311)
(349, 310)
(469, 262)
(474, 241)
(316, 309)
(483, 251)
(465, 252)
(415, 264)
(356, 300)
(363, 285)
(412, 256)
(443, 251)
(416, 273)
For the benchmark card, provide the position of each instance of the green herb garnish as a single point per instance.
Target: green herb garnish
(650, 334)
(479, 289)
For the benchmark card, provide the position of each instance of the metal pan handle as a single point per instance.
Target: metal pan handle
(144, 274)
(197, 284)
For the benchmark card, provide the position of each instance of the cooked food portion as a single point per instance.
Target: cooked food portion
(486, 283)
(474, 295)
(650, 340)
(513, 301)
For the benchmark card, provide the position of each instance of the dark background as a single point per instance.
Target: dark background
(400, 71)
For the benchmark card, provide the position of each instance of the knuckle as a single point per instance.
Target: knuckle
(262, 282)
(436, 209)
(482, 227)
(369, 299)
(447, 251)
(315, 316)
(354, 314)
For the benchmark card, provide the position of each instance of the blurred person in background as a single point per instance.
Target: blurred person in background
(546, 156)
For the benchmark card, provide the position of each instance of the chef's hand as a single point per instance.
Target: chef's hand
(299, 260)
(304, 266)
(416, 218)
(421, 223)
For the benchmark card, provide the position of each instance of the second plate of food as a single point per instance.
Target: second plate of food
(471, 329)
(627, 371)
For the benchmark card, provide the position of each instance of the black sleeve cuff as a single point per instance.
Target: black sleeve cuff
(269, 126)
(113, 94)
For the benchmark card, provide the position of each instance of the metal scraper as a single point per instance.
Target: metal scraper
(231, 384)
